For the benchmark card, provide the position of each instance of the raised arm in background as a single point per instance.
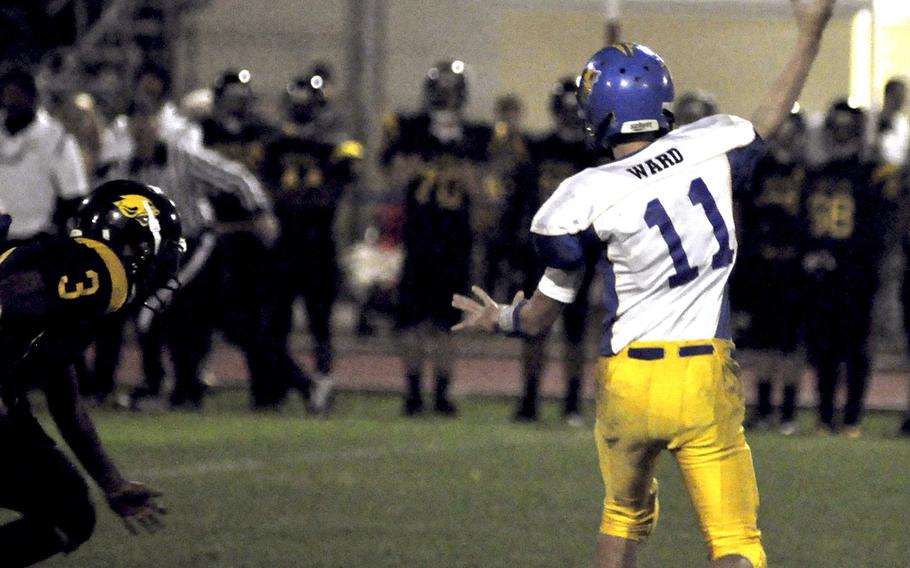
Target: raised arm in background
(811, 19)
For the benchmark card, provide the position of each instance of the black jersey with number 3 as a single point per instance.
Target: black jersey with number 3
(52, 294)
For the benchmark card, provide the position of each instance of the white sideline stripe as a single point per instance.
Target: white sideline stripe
(354, 454)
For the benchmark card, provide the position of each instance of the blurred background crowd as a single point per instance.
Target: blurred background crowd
(293, 206)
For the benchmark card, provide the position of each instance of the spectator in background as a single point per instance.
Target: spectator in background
(79, 115)
(42, 176)
(149, 95)
(847, 213)
(437, 157)
(892, 130)
(184, 171)
(765, 285)
(308, 177)
(556, 156)
(904, 239)
(892, 145)
(152, 91)
(889, 137)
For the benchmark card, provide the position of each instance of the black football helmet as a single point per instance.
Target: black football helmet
(305, 95)
(564, 96)
(233, 81)
(141, 225)
(232, 92)
(692, 106)
(445, 86)
(844, 130)
(845, 122)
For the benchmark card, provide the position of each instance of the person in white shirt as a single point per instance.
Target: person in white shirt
(152, 89)
(42, 177)
(187, 172)
(892, 134)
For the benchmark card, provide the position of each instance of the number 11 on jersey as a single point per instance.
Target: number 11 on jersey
(656, 216)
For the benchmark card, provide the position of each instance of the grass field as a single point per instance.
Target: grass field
(368, 488)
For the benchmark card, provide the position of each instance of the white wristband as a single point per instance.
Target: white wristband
(510, 318)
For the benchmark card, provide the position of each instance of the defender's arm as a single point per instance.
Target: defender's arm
(132, 501)
(79, 432)
(811, 20)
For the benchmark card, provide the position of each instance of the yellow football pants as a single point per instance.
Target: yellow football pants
(686, 397)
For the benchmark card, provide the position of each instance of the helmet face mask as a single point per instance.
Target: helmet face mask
(625, 90)
(233, 95)
(844, 130)
(564, 104)
(140, 225)
(445, 86)
(305, 96)
(788, 145)
(694, 106)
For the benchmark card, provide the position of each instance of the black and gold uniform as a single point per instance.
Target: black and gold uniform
(553, 158)
(441, 158)
(242, 309)
(769, 271)
(770, 275)
(308, 179)
(846, 214)
(438, 236)
(243, 143)
(509, 151)
(55, 295)
(58, 289)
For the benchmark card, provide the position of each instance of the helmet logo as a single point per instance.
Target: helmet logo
(137, 207)
(627, 49)
(589, 79)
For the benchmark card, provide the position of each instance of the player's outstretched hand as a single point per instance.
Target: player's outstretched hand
(483, 315)
(137, 506)
(812, 16)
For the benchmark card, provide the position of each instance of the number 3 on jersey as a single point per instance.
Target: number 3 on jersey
(72, 290)
(656, 216)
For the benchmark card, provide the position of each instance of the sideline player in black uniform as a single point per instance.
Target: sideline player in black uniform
(555, 157)
(437, 156)
(233, 129)
(54, 294)
(765, 284)
(308, 178)
(240, 260)
(847, 215)
(508, 152)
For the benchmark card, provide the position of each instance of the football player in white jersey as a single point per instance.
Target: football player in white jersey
(659, 220)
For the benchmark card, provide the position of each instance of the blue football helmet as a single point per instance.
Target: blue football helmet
(625, 89)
